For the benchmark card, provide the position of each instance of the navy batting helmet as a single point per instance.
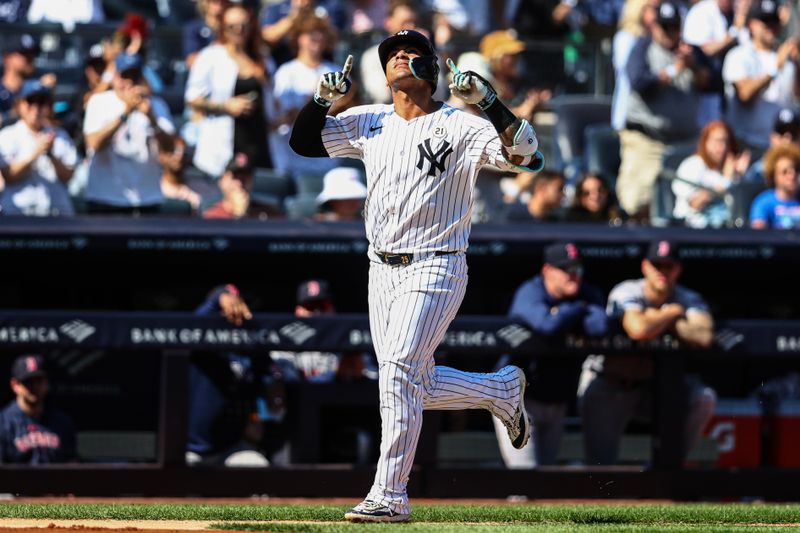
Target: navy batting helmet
(424, 67)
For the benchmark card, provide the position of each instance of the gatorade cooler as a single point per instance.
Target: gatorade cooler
(736, 427)
(785, 435)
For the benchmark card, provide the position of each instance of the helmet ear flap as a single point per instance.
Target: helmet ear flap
(426, 68)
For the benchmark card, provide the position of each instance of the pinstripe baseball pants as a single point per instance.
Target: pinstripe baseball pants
(410, 308)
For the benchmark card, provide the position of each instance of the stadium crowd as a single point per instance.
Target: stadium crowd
(704, 108)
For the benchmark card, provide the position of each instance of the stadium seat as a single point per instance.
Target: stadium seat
(175, 208)
(740, 198)
(602, 152)
(301, 206)
(662, 204)
(274, 183)
(309, 183)
(574, 113)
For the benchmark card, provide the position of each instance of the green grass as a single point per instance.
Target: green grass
(440, 518)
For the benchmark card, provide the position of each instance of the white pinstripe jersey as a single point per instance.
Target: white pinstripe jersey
(420, 173)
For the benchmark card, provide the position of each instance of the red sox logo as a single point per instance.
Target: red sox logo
(572, 251)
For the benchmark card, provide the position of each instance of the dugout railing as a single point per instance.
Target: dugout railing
(176, 335)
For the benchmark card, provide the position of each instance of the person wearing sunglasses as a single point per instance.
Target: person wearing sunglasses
(123, 128)
(554, 303)
(36, 159)
(616, 390)
(227, 84)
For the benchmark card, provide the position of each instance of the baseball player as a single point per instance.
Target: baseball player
(421, 157)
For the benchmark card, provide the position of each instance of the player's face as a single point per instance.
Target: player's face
(31, 391)
(563, 283)
(786, 176)
(661, 275)
(398, 69)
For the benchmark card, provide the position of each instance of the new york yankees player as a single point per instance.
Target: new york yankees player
(421, 157)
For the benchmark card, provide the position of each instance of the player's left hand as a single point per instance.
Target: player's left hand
(469, 86)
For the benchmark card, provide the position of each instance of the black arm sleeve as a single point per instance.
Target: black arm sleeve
(306, 138)
(500, 116)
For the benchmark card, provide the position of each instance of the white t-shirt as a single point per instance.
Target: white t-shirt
(38, 193)
(295, 84)
(704, 23)
(693, 169)
(66, 12)
(126, 172)
(752, 123)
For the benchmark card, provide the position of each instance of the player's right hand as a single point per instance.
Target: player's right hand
(334, 85)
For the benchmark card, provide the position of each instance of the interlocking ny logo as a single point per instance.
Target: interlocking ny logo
(77, 330)
(435, 159)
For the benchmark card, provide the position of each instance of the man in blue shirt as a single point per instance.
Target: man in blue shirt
(32, 432)
(553, 304)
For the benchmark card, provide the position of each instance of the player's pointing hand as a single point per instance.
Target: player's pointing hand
(334, 85)
(469, 86)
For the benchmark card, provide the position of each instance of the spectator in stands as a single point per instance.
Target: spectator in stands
(32, 431)
(595, 202)
(553, 304)
(228, 84)
(400, 15)
(295, 83)
(502, 49)
(68, 14)
(236, 185)
(350, 429)
(786, 130)
(363, 14)
(342, 197)
(226, 392)
(615, 390)
(123, 127)
(637, 21)
(12, 11)
(705, 177)
(758, 80)
(174, 184)
(665, 75)
(38, 159)
(541, 19)
(779, 207)
(202, 31)
(708, 26)
(546, 194)
(278, 19)
(17, 68)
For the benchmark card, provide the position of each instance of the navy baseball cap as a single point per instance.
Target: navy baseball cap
(787, 121)
(404, 37)
(24, 44)
(662, 250)
(313, 290)
(28, 366)
(668, 15)
(126, 61)
(34, 88)
(764, 10)
(562, 255)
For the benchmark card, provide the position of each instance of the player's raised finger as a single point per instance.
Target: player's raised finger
(452, 66)
(348, 66)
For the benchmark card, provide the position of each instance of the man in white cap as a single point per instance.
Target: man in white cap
(342, 196)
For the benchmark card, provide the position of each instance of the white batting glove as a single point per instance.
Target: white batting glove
(334, 85)
(471, 87)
